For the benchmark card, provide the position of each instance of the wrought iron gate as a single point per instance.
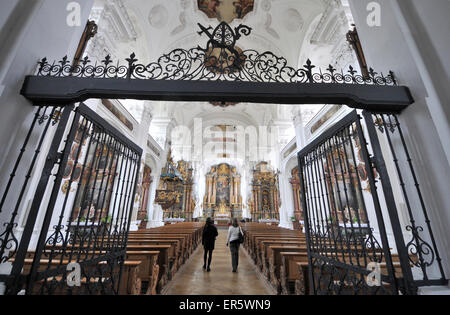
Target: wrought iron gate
(86, 218)
(356, 243)
(342, 183)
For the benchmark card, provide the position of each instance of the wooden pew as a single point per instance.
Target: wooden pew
(130, 284)
(291, 271)
(163, 261)
(149, 269)
(174, 252)
(302, 282)
(264, 246)
(159, 253)
(297, 271)
(183, 241)
(273, 268)
(148, 234)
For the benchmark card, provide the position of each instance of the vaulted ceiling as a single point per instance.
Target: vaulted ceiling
(294, 29)
(278, 25)
(155, 27)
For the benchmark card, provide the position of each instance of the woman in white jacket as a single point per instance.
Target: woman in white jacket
(233, 242)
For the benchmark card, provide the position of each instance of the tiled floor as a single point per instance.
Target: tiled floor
(193, 280)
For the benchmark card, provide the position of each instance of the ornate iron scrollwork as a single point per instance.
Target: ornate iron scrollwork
(8, 242)
(419, 249)
(220, 60)
(57, 237)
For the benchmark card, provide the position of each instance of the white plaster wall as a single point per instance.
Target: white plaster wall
(41, 30)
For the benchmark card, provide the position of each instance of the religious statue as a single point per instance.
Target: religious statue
(266, 206)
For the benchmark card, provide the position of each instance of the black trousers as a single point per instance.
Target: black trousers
(206, 258)
(234, 248)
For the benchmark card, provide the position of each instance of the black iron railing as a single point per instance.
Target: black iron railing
(220, 60)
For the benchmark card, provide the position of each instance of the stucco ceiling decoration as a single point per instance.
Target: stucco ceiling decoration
(226, 10)
(159, 16)
(293, 21)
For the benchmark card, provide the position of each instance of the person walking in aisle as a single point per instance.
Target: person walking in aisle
(208, 241)
(233, 240)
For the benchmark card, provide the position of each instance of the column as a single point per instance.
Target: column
(208, 185)
(272, 202)
(213, 201)
(299, 128)
(232, 195)
(141, 137)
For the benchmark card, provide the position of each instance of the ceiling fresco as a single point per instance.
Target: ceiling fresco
(226, 10)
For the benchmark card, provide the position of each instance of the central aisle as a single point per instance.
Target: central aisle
(193, 280)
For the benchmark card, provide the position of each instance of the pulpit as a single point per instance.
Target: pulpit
(174, 193)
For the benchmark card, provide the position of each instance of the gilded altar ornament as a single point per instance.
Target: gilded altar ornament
(65, 187)
(223, 209)
(223, 169)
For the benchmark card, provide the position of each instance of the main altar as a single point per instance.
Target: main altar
(223, 199)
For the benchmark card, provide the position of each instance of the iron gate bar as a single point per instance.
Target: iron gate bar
(308, 149)
(309, 243)
(129, 152)
(52, 158)
(63, 158)
(8, 236)
(364, 208)
(108, 264)
(324, 152)
(115, 157)
(337, 131)
(378, 210)
(407, 286)
(57, 90)
(105, 192)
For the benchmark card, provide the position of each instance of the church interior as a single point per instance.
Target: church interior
(343, 176)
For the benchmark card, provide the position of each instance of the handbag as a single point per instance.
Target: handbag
(241, 236)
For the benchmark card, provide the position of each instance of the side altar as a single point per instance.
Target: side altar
(223, 200)
(265, 203)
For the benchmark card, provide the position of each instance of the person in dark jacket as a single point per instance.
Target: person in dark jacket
(208, 241)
